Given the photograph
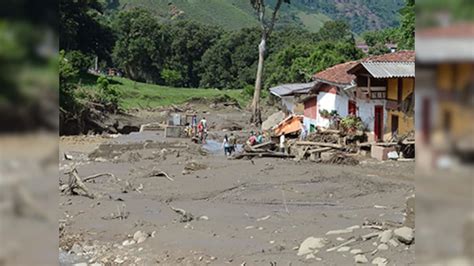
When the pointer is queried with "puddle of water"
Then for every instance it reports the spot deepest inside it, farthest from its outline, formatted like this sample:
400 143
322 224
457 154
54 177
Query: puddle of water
67 259
216 147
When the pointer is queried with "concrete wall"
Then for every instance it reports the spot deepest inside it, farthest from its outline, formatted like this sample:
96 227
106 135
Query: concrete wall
405 122
366 111
288 102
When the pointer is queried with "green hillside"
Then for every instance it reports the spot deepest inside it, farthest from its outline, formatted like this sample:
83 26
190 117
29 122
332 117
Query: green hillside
142 95
362 15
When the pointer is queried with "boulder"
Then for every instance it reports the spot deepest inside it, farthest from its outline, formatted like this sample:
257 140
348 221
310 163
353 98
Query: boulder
311 244
382 247
404 235
360 259
273 120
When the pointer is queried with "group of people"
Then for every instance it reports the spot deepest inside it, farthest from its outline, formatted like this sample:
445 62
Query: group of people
255 138
197 129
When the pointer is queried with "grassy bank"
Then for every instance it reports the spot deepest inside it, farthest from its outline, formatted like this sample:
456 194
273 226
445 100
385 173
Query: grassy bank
141 95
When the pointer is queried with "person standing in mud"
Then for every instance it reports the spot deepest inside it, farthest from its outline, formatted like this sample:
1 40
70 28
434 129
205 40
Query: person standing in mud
203 132
226 145
233 142
194 125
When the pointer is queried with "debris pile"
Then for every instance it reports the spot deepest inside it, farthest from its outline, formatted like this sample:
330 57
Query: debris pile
266 149
342 158
339 146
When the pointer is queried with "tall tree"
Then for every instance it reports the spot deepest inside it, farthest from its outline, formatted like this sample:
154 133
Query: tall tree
142 45
266 28
407 27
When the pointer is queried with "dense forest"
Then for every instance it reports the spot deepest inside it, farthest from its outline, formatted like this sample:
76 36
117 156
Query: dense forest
185 53
361 15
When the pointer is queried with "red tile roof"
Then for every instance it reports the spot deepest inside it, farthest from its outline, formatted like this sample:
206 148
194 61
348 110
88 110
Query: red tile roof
400 56
337 74
459 30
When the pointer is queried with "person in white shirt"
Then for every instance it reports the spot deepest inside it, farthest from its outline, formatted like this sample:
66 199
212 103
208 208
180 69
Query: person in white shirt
282 143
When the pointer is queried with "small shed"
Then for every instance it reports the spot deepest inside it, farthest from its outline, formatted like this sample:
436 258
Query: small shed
288 94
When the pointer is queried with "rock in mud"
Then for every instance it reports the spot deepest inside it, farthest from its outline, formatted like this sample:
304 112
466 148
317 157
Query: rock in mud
343 249
385 236
360 259
273 120
76 249
382 247
128 242
356 251
194 166
380 261
404 235
393 242
203 218
140 237
311 244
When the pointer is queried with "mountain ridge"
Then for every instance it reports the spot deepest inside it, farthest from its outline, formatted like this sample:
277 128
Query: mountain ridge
361 15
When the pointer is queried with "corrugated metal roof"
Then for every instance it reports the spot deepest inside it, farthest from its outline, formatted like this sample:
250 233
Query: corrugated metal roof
390 69
432 50
290 89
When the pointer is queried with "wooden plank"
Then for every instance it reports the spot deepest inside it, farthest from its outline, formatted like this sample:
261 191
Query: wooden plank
365 144
264 154
322 144
262 145
320 150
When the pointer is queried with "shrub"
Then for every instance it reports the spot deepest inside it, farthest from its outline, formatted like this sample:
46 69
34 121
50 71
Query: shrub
172 77
351 123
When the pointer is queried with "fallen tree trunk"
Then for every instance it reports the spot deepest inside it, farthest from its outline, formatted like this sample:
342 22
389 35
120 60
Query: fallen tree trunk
322 144
320 150
264 154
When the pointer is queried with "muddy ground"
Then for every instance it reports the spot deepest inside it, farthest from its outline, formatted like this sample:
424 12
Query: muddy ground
255 212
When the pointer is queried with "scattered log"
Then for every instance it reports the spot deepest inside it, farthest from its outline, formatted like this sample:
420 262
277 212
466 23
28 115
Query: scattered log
352 240
322 144
263 154
265 145
319 150
161 173
86 179
76 184
185 216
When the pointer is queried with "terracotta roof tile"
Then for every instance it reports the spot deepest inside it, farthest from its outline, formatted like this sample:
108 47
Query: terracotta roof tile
459 30
337 74
400 56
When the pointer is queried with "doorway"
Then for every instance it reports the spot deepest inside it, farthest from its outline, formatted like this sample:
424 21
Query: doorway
378 122
394 123
352 108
